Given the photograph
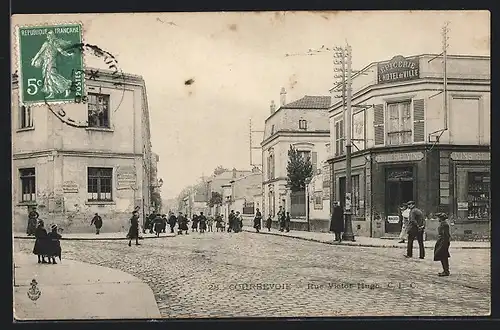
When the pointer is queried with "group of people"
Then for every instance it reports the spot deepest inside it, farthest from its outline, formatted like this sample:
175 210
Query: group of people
47 245
412 222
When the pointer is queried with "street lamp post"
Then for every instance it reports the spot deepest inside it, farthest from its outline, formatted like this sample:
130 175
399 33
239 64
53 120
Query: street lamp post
307 182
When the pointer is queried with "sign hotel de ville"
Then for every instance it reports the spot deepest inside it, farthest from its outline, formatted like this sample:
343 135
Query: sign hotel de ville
398 69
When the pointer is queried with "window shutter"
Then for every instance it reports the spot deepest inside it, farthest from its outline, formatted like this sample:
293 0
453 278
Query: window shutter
418 121
378 124
314 162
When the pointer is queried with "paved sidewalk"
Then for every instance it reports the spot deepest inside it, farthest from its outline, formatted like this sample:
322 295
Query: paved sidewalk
93 236
77 290
366 241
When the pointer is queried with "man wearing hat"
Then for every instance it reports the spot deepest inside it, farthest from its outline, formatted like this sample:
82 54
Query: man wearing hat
441 249
416 227
97 222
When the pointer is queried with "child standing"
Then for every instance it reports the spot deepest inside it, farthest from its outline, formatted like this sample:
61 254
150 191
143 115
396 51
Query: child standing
269 222
40 248
441 249
53 245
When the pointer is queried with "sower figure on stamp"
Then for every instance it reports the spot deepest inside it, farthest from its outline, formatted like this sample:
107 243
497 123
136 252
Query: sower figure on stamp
416 227
257 221
133 232
40 248
53 82
441 249
32 219
97 222
404 216
337 223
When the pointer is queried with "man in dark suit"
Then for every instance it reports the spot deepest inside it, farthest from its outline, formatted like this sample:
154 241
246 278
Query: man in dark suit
337 223
416 227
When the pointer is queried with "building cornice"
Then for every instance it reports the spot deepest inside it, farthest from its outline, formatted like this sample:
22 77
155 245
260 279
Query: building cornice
281 133
363 93
75 153
411 148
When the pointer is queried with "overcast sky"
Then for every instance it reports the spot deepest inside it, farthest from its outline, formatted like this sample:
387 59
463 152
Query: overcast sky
238 64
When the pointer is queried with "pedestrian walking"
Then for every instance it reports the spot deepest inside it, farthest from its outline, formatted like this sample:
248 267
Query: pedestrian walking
172 220
281 218
219 223
287 222
157 224
231 221
210 222
194 226
238 222
203 222
441 249
32 221
53 245
269 222
416 227
40 247
97 222
182 224
164 223
337 222
404 215
257 220
133 232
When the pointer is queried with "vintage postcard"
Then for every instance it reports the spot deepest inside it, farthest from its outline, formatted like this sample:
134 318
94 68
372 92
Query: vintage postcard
251 164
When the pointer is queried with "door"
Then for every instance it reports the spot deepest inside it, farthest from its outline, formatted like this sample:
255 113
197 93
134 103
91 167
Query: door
399 189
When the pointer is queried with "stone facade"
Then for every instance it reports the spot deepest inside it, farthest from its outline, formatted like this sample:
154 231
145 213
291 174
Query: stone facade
53 163
407 147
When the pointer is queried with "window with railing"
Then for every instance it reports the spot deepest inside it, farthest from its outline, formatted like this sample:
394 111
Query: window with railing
28 191
98 110
399 123
99 184
478 188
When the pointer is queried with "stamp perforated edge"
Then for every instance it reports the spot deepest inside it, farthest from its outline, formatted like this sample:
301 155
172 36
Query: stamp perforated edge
17 55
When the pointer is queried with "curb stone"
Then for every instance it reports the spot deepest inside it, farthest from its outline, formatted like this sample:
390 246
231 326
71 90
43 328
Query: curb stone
365 245
93 239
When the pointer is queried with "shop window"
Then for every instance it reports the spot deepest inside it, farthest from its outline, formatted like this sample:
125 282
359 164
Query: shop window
478 188
99 184
399 124
28 192
302 124
98 110
26 117
339 138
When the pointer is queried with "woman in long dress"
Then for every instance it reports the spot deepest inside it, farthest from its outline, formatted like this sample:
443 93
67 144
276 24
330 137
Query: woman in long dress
133 232
40 248
53 81
441 249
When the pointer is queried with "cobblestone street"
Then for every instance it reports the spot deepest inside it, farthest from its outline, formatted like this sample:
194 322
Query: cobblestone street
252 275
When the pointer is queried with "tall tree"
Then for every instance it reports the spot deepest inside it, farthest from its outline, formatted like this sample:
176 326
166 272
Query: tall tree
219 170
215 199
299 168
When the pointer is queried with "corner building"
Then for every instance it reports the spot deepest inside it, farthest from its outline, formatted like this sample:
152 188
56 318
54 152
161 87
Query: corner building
412 144
70 173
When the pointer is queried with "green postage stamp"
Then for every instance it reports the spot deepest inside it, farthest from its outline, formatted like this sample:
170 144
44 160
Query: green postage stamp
50 63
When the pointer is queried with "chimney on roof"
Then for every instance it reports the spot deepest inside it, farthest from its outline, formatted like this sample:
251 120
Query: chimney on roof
272 107
283 96
234 173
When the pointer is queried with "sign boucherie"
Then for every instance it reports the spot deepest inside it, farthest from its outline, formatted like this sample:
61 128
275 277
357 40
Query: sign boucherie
398 69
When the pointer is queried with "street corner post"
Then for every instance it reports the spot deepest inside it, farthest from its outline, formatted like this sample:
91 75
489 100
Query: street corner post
51 68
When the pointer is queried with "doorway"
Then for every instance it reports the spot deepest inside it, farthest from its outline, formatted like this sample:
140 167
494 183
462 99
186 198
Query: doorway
399 189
